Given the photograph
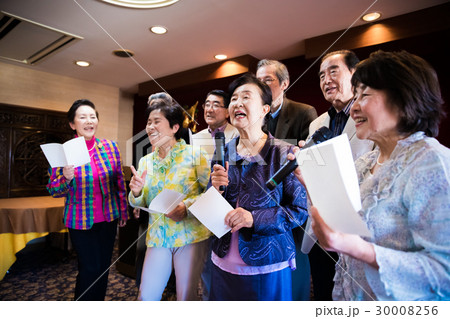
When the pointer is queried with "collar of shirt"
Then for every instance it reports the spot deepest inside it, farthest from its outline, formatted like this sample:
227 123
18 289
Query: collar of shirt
332 111
219 129
275 114
165 163
338 120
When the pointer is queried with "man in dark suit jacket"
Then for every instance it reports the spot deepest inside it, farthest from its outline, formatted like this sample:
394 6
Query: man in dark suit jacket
294 120
288 120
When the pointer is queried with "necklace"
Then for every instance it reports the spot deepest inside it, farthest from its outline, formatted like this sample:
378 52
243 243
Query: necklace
92 148
90 155
378 161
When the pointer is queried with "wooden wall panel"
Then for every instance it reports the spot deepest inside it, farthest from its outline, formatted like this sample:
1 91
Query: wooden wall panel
23 166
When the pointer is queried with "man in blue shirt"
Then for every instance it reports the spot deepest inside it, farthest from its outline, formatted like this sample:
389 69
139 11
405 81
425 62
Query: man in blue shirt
287 119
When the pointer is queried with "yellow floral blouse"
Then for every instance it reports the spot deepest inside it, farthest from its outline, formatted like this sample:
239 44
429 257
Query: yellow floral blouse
183 170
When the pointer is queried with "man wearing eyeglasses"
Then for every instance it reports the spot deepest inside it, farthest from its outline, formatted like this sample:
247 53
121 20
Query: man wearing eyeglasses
287 119
290 121
216 116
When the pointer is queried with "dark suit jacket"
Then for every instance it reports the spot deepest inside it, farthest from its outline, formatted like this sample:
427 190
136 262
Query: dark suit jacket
294 120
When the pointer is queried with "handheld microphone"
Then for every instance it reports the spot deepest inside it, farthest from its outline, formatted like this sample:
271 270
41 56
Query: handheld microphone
219 139
319 136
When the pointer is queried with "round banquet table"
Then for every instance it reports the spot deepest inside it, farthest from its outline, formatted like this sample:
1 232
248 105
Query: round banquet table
24 219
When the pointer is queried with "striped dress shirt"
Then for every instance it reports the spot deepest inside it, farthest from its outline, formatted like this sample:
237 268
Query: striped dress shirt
338 120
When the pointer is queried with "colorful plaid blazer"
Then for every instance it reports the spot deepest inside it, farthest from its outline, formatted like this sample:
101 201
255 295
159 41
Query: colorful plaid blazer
79 197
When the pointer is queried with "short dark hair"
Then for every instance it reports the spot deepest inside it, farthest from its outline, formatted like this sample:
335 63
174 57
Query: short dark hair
350 58
411 85
248 78
173 112
224 95
73 109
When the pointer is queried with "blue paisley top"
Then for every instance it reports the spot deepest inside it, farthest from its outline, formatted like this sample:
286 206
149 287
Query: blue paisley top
274 212
406 205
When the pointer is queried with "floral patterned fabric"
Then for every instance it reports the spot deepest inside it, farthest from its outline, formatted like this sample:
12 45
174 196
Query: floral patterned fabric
406 205
185 171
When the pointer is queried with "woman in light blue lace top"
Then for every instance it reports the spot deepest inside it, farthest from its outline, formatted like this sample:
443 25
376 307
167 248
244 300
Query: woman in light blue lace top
404 183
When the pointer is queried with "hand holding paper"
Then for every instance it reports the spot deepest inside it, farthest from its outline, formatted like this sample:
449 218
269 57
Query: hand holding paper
165 202
210 209
73 152
69 172
178 213
330 177
239 218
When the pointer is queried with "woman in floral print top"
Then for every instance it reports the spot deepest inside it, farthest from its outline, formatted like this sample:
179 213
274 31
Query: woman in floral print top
176 238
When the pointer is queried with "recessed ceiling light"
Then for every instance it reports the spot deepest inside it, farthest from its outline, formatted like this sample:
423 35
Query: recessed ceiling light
220 56
369 17
158 29
123 53
83 63
142 4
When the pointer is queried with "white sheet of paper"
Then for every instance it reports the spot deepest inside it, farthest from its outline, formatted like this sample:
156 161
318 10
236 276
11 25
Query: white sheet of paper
330 176
73 152
164 202
210 209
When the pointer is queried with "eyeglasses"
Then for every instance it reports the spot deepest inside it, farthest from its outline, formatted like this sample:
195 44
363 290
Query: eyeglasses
268 81
214 105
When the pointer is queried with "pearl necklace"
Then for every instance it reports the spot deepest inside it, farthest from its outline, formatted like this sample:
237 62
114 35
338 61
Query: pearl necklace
90 155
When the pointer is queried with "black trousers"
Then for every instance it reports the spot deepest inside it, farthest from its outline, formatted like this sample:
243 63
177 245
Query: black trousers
322 271
94 249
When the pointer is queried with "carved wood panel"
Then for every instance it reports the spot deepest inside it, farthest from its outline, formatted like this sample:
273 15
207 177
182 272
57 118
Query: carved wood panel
23 166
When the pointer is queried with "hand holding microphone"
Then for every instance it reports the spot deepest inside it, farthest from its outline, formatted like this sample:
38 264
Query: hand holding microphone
219 176
319 136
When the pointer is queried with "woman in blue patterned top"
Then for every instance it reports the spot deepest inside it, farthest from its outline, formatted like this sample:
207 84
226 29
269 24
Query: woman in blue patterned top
404 183
254 260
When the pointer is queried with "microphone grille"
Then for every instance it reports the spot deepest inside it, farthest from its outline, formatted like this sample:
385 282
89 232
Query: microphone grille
322 134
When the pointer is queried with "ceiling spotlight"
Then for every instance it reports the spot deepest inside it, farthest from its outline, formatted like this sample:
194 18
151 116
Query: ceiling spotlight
369 17
157 29
123 53
142 4
220 56
83 63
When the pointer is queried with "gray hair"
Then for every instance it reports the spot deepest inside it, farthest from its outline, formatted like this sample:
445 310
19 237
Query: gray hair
160 96
280 69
